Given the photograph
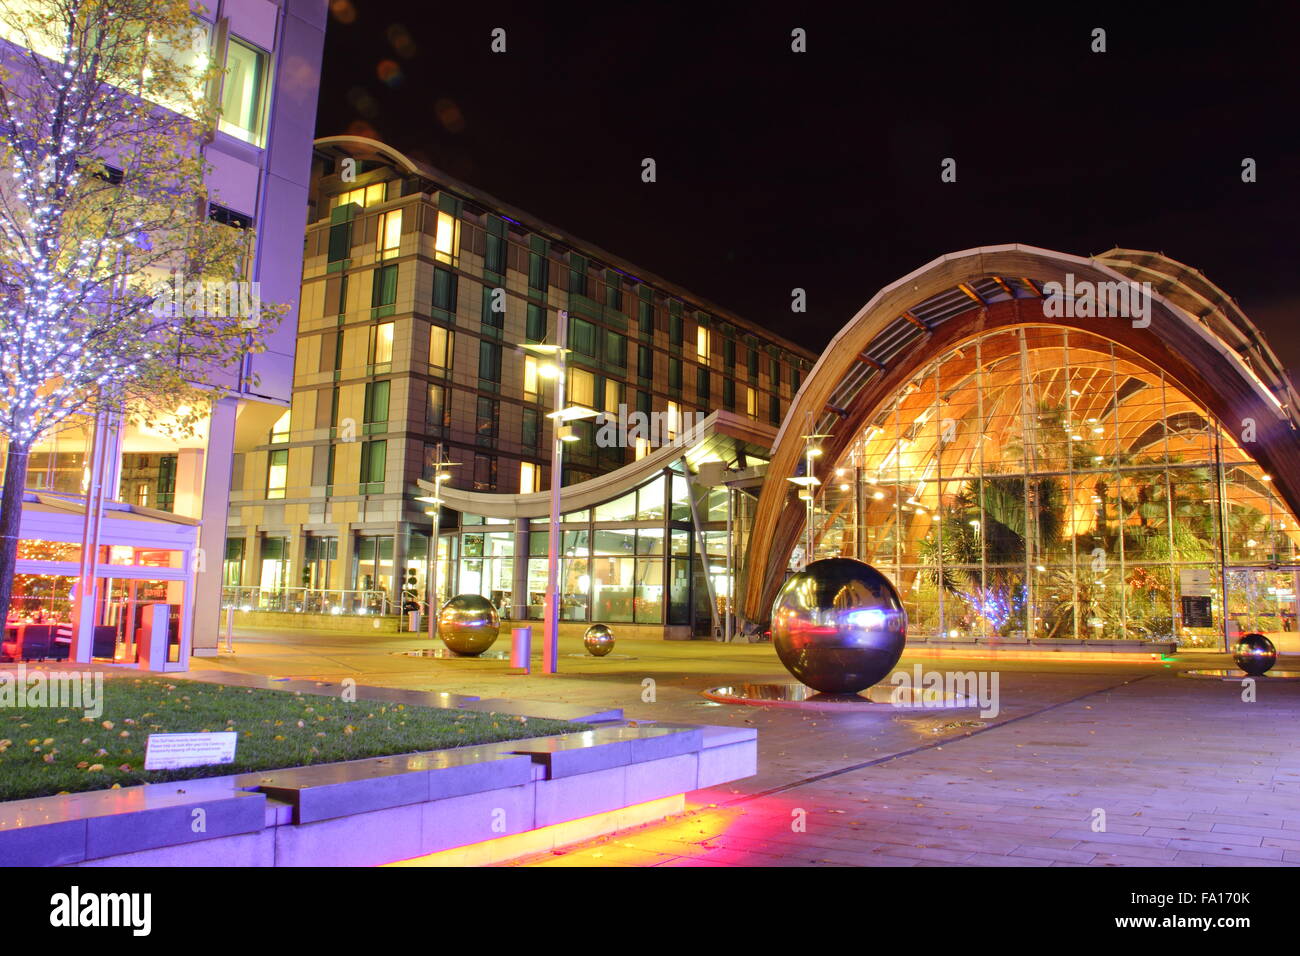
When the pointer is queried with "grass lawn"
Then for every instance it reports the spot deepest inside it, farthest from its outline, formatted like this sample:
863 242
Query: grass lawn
47 751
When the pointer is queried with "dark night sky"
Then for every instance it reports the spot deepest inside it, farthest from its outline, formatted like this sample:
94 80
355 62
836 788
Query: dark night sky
821 170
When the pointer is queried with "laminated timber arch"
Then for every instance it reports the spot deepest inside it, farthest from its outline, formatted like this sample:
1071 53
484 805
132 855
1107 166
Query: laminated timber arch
1197 336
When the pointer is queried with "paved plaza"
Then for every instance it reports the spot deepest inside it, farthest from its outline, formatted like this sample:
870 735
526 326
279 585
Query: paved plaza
1094 764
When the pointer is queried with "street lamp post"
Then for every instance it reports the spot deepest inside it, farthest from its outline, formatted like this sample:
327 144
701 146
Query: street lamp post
551 648
561 431
439 476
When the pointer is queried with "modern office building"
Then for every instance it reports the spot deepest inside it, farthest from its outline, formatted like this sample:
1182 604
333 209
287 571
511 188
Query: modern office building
417 291
166 500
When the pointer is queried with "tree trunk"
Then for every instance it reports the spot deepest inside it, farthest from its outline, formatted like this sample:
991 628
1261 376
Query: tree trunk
11 513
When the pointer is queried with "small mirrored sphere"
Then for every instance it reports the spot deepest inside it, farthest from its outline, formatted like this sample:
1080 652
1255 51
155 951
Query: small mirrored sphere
598 639
468 624
1255 654
838 625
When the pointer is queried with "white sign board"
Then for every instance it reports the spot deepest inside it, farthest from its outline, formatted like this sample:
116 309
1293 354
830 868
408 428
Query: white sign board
1196 582
172 751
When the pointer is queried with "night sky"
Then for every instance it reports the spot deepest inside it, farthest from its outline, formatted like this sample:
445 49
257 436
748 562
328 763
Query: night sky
822 170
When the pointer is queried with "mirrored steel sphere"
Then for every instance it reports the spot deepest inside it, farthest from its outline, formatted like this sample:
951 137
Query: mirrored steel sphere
838 625
468 624
598 639
1255 654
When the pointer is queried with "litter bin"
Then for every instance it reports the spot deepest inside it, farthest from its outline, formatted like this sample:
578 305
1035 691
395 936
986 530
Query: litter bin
521 650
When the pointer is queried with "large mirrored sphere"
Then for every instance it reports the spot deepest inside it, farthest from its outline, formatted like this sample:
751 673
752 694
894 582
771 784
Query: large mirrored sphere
468 624
1255 654
838 626
598 639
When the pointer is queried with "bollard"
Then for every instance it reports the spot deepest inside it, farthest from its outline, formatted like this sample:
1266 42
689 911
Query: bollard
521 650
230 630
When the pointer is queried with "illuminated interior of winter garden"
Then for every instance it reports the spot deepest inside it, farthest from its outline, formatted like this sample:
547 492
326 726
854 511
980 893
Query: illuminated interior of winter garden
1040 482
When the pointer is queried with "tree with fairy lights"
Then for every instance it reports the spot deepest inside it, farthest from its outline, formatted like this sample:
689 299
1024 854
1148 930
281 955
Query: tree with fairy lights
118 292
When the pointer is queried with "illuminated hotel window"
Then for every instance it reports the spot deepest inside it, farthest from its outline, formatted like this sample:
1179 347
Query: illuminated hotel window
390 233
381 343
613 395
751 401
445 242
243 93
674 422
362 196
440 341
642 448
529 477
530 378
582 388
702 345
277 473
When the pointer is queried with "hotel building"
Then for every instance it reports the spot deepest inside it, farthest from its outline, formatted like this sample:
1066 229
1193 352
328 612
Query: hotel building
417 292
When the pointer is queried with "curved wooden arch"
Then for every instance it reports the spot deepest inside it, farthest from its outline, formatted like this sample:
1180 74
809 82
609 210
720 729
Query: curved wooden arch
1195 360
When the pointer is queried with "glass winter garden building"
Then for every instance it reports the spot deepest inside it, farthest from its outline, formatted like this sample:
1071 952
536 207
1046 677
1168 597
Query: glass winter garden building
1043 448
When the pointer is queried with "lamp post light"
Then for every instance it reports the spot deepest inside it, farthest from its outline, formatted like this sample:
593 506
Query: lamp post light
439 476
808 483
561 431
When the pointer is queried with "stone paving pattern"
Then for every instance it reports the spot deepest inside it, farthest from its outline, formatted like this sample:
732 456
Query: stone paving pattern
1186 772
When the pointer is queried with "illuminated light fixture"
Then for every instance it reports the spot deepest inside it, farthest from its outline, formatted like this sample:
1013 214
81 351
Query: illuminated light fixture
814 451
566 433
550 838
806 481
1040 568
805 495
839 472
935 518
921 512
1074 392
844 487
541 348
1098 430
1265 477
974 523
878 495
573 413
1251 543
548 370
1076 438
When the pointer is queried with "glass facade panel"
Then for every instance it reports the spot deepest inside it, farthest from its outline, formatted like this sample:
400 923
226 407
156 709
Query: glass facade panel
1043 483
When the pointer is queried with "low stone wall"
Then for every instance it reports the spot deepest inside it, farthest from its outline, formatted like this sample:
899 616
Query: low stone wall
386 809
